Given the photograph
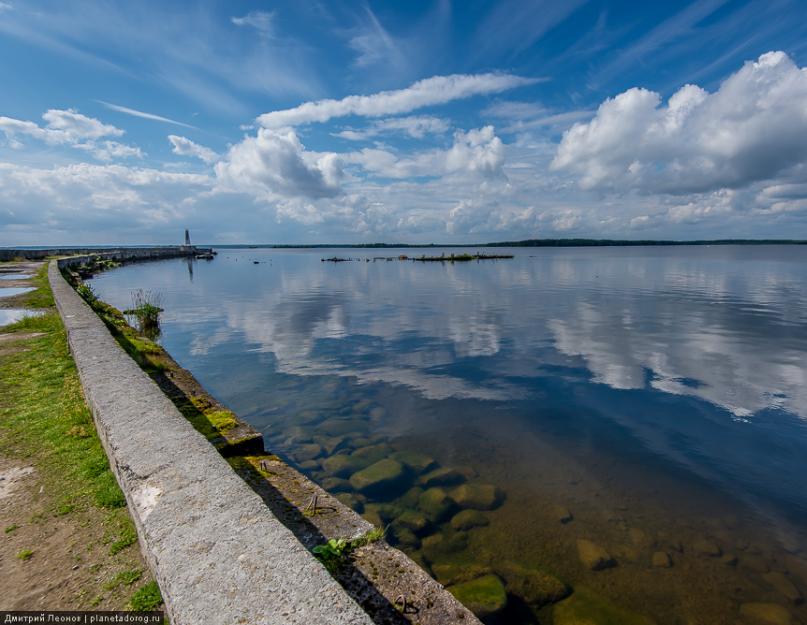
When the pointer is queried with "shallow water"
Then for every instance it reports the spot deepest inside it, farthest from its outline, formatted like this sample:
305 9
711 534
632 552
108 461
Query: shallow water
15 276
11 291
12 315
657 394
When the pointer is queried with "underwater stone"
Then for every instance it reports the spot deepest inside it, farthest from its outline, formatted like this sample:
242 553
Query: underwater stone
373 452
661 559
331 443
784 586
335 484
372 516
436 503
468 519
585 607
456 571
415 460
413 520
765 614
706 547
537 588
593 556
444 476
484 596
439 547
342 465
309 465
477 496
562 514
410 498
380 478
307 452
405 537
729 559
351 501
341 427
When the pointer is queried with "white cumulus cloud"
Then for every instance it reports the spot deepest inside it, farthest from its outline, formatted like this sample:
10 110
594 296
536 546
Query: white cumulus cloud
414 126
275 163
71 128
185 147
427 92
753 128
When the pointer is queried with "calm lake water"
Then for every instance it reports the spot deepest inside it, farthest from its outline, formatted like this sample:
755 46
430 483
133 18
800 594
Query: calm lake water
659 395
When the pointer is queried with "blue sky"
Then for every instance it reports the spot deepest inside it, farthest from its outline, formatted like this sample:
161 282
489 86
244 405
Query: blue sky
301 122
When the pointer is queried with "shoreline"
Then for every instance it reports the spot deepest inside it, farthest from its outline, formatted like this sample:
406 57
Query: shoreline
375 576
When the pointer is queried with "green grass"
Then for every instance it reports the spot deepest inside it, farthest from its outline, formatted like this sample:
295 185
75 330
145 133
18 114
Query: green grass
45 421
11 528
124 578
25 554
146 598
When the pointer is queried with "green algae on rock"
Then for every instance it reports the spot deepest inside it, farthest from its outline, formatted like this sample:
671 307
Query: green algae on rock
585 607
383 477
468 519
414 460
765 614
477 496
436 503
593 556
484 596
444 476
534 586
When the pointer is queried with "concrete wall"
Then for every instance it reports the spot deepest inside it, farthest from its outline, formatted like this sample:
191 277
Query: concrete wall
218 553
119 253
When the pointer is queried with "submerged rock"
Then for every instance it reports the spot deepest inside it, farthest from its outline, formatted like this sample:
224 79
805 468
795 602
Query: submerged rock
593 556
307 452
477 496
468 519
438 547
351 501
707 547
765 614
335 485
436 504
308 466
342 465
373 453
413 520
341 427
782 584
562 514
382 478
537 588
662 560
410 498
416 461
484 596
585 607
444 476
404 537
450 571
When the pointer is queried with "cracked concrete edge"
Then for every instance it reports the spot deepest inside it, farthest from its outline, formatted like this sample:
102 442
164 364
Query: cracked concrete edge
218 553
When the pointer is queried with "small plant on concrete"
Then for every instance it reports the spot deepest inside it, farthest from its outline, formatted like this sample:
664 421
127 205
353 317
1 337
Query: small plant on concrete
86 293
146 309
335 553
332 554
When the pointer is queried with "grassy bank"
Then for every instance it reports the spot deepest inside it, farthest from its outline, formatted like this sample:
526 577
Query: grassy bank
45 424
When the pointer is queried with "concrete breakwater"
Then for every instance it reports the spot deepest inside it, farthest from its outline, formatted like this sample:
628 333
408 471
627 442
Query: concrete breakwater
113 253
233 546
